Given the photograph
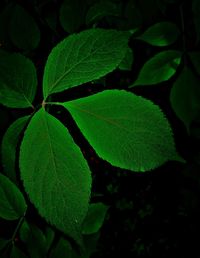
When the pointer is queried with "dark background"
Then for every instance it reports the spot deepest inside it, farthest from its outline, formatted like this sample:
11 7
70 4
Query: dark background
152 214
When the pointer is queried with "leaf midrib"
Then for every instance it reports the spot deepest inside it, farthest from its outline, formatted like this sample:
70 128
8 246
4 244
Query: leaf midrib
109 121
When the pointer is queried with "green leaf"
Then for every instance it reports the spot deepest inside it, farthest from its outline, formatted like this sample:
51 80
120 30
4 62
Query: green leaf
115 124
49 234
83 57
33 237
159 68
17 253
3 243
100 10
132 15
95 218
55 174
23 31
161 34
72 15
18 80
37 242
4 118
12 203
185 97
196 17
195 58
9 146
63 247
5 17
90 242
149 10
50 16
126 63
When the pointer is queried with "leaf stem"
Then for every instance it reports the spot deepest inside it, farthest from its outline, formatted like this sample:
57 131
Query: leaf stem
54 103
17 228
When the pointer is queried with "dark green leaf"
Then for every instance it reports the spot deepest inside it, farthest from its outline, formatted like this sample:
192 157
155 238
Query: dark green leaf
195 58
18 80
5 17
17 253
149 10
133 16
72 15
24 31
95 218
100 10
185 97
51 17
9 146
115 124
3 243
34 239
83 57
90 242
55 174
126 63
196 17
12 203
49 234
63 248
4 119
161 34
159 68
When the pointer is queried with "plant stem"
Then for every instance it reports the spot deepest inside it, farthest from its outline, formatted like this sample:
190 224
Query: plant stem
17 228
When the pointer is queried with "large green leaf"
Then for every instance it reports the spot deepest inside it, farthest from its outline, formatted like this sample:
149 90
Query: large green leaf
83 57
55 174
18 80
95 218
161 34
24 31
115 124
72 15
185 96
159 68
12 203
9 146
